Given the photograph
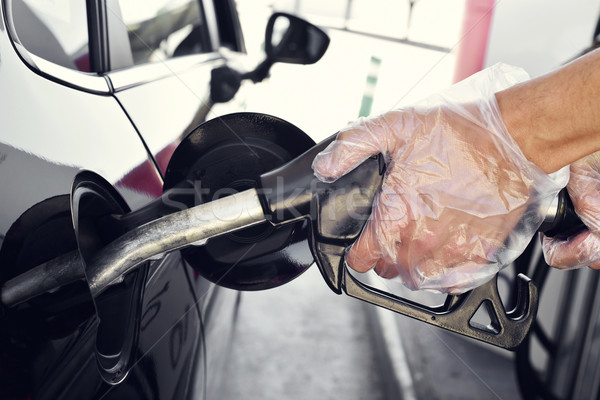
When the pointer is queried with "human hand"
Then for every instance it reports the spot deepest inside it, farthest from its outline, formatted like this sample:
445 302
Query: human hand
582 249
459 200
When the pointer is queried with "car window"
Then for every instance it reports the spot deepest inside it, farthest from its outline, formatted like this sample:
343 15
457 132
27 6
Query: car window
162 29
54 30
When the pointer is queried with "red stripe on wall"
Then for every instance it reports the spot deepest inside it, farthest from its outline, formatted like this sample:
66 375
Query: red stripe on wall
475 34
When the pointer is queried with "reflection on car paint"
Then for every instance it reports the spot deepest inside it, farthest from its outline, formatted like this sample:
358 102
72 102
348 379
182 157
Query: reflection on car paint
153 308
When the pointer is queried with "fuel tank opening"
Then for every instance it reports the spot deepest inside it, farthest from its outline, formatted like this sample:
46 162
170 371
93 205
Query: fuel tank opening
227 155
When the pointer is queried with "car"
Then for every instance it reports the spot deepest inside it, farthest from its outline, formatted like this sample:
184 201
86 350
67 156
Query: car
97 97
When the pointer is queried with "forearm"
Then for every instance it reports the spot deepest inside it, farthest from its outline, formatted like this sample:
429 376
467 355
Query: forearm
555 119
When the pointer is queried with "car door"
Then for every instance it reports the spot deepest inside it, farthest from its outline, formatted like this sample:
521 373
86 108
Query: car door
161 62
61 115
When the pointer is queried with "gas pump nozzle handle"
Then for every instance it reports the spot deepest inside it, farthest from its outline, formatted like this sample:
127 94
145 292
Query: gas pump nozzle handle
336 213
292 192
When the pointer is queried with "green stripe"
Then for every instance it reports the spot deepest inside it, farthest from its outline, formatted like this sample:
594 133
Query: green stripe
367 99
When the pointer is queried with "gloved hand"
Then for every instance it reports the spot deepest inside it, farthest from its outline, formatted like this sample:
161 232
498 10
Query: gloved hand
459 200
582 249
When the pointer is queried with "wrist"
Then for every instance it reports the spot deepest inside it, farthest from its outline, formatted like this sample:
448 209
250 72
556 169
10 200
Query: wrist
534 143
543 130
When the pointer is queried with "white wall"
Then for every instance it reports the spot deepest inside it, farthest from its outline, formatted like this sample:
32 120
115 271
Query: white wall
540 35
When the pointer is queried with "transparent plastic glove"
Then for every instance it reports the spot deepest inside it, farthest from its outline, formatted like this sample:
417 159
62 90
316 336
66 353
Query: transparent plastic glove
582 249
459 200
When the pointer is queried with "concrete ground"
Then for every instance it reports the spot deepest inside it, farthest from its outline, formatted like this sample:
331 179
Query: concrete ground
302 341
445 366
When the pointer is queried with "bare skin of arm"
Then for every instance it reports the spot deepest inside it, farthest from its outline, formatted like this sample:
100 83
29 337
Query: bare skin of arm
555 119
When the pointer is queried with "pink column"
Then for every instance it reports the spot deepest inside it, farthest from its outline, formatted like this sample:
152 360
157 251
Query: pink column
474 37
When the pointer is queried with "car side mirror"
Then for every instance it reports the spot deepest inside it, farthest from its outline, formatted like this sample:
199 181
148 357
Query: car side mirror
290 39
